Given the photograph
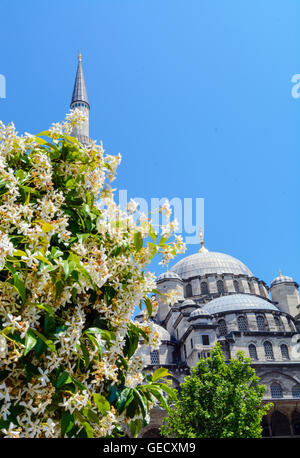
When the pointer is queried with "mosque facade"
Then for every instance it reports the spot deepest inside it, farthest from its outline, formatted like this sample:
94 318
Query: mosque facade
221 300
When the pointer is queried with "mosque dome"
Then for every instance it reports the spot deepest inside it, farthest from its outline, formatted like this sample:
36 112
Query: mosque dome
235 302
282 279
168 276
209 262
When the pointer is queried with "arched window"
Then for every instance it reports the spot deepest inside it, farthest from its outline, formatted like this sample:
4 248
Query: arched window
250 286
188 290
276 390
154 357
222 327
242 323
236 286
261 323
252 351
204 287
284 351
277 323
220 286
296 391
280 424
262 290
268 350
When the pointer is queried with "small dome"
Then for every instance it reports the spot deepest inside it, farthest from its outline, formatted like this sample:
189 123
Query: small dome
282 279
163 333
169 275
235 302
199 312
188 302
209 262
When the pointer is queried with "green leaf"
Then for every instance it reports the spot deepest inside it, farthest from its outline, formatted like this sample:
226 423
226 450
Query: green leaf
30 341
88 429
135 427
67 422
152 234
138 240
20 287
63 379
149 306
102 403
49 343
159 373
85 354
45 307
163 240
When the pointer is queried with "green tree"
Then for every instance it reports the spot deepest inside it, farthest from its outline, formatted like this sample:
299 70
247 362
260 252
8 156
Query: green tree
218 400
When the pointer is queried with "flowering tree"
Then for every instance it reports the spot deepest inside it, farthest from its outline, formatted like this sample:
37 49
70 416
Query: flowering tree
72 270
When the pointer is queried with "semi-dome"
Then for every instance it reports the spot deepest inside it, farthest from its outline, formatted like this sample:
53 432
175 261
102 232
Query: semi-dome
282 279
234 302
169 275
209 262
188 302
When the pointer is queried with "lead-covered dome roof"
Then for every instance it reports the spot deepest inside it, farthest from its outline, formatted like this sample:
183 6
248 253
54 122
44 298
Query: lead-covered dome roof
282 279
169 275
210 262
235 302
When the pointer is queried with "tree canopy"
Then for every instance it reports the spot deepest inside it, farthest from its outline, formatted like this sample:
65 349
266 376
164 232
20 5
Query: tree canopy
219 399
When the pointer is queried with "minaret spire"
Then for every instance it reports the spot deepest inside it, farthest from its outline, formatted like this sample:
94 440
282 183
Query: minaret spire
80 100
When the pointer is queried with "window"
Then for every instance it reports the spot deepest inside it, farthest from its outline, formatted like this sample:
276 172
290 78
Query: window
220 286
261 323
184 349
204 288
268 350
262 290
250 286
277 323
276 390
296 391
205 340
154 357
252 351
242 323
222 327
284 351
188 290
236 286
192 345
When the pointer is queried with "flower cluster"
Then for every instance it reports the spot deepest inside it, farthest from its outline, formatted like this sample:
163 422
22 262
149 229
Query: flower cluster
72 271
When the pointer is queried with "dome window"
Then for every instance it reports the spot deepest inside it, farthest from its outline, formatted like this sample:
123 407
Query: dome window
296 391
252 351
284 351
188 290
250 286
222 327
276 390
269 350
154 357
220 286
242 323
261 323
204 287
277 323
236 286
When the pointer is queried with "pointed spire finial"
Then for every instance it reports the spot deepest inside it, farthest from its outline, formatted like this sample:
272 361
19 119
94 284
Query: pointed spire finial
280 273
202 249
79 56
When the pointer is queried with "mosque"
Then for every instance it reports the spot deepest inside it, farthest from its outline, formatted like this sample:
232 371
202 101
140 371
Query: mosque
221 300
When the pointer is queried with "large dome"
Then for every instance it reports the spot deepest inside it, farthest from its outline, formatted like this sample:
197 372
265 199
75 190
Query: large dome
210 262
235 302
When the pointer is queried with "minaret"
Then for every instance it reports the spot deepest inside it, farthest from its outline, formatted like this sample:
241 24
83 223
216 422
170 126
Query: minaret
80 101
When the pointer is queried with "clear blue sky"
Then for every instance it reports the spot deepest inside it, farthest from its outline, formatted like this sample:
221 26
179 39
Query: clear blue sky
195 94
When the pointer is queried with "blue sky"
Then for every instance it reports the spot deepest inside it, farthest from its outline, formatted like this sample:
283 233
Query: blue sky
195 95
